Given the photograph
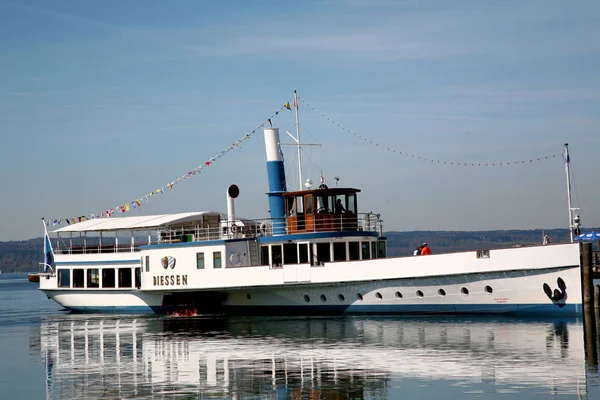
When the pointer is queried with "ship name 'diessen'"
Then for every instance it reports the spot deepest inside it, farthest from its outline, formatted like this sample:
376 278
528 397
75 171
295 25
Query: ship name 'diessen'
170 280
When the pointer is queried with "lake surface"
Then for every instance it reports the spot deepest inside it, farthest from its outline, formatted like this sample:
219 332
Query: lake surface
49 353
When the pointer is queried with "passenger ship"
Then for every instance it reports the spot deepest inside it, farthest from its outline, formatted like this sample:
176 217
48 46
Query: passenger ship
310 256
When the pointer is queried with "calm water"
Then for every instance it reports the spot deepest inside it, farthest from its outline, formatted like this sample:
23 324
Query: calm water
48 353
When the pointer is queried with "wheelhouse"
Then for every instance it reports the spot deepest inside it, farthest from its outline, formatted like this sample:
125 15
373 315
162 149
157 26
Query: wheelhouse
323 210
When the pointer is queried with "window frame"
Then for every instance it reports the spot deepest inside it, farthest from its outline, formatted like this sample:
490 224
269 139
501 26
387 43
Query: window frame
78 282
60 278
217 256
200 257
90 278
105 278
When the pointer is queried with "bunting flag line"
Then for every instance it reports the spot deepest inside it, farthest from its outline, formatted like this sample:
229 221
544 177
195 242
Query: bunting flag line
130 205
461 164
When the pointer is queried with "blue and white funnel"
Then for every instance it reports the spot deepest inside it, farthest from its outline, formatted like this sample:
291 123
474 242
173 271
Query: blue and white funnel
276 176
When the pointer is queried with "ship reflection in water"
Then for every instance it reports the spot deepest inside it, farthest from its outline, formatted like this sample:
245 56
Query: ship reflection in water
306 358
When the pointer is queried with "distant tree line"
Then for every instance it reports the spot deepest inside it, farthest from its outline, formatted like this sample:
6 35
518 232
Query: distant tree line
404 243
25 256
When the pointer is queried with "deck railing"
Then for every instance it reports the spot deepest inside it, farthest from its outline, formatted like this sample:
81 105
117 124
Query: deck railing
241 229
367 222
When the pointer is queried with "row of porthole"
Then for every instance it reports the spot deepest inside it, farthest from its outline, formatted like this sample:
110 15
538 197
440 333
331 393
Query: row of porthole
488 289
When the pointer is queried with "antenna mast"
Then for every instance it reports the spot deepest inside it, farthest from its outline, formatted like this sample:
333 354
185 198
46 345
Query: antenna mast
574 221
298 140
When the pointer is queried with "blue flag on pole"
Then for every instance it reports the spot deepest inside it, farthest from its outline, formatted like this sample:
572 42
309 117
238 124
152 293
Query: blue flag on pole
48 252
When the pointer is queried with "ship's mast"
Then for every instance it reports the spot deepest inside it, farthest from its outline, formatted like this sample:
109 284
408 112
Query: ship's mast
298 140
568 172
299 144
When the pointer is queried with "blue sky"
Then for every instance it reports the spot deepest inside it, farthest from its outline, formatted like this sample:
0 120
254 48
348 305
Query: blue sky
103 102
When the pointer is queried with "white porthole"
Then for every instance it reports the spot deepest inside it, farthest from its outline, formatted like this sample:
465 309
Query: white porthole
378 295
442 292
464 291
420 293
489 290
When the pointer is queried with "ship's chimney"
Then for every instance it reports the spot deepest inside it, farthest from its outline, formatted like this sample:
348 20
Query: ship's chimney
276 176
233 191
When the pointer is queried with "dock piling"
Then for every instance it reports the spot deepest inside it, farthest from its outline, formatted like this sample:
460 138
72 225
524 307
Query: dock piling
587 279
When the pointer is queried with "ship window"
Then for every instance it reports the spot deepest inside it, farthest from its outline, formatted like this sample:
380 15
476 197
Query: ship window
483 254
366 254
290 253
324 204
291 206
351 204
276 255
93 278
344 206
381 253
64 278
300 205
78 275
199 260
217 259
323 254
341 297
339 251
147 263
309 205
354 250
374 249
264 255
464 291
138 277
420 293
489 290
108 278
303 252
125 277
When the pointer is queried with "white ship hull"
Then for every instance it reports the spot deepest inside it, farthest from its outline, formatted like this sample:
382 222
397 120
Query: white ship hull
514 292
102 301
509 281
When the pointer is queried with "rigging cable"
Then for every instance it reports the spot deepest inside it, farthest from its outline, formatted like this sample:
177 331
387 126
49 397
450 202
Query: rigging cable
417 157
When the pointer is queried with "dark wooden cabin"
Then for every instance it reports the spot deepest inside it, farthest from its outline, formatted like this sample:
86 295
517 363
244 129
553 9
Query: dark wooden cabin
321 210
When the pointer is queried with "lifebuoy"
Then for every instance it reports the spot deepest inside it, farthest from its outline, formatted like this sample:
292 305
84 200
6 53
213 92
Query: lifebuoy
265 228
235 259
234 228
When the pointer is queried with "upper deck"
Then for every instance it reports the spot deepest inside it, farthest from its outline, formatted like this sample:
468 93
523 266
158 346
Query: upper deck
310 211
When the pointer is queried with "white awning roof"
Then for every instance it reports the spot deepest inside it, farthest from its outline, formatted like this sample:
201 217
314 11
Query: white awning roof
133 223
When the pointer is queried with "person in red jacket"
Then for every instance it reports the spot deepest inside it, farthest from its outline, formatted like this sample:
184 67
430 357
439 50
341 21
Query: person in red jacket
425 250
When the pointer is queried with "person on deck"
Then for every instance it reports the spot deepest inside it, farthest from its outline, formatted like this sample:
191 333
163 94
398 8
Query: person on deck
339 207
425 250
417 251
